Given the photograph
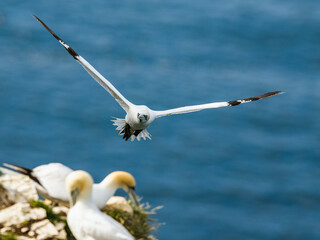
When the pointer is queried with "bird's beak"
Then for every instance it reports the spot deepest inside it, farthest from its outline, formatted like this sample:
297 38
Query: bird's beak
74 196
133 196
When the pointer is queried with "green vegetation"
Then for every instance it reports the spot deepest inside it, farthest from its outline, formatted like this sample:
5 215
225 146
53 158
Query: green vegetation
8 236
139 224
53 217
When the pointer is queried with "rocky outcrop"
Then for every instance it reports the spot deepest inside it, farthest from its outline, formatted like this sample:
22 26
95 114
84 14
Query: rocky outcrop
20 213
16 188
28 222
24 217
119 203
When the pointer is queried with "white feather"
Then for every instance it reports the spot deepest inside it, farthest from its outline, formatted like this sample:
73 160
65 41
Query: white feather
120 123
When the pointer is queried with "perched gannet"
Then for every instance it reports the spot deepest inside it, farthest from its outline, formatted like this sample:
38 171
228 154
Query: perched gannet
85 220
139 117
50 183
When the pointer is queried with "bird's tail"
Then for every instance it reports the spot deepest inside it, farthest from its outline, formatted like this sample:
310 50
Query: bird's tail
143 134
124 129
120 123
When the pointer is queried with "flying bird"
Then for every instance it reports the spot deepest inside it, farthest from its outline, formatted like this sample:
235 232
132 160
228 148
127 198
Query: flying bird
85 220
50 180
139 117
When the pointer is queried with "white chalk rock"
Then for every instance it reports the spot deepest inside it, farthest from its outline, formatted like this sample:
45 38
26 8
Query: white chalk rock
60 210
120 203
24 229
5 230
24 238
17 188
20 213
62 233
44 230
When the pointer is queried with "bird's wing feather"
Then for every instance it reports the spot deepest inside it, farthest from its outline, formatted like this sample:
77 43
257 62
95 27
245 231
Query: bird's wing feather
124 103
25 171
52 176
195 108
49 179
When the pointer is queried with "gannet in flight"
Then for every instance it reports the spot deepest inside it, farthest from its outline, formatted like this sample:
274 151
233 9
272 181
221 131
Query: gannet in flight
85 220
139 117
50 183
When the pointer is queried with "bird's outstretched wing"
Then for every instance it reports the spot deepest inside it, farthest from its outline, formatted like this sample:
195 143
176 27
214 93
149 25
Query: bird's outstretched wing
124 103
195 108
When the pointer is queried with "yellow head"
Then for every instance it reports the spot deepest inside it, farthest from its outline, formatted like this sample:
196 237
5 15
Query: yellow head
79 186
124 180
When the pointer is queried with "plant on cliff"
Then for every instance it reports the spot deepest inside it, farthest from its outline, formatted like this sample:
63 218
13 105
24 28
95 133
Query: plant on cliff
53 217
138 223
8 236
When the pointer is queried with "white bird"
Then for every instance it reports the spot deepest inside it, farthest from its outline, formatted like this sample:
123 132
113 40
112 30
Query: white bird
139 117
50 183
85 220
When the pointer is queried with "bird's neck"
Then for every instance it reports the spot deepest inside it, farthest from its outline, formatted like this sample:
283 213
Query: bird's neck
86 201
110 184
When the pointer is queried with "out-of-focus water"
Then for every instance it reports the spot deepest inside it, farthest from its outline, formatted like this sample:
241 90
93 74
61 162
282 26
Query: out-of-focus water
248 172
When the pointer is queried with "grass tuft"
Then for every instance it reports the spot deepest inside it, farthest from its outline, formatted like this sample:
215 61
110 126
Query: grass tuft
8 236
53 217
139 224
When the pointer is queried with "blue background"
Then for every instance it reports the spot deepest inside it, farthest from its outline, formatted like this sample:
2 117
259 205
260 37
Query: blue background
247 172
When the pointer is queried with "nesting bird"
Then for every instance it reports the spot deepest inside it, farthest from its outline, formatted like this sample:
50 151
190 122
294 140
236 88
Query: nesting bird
85 220
139 117
50 180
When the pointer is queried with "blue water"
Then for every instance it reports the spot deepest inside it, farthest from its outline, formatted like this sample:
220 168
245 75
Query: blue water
247 172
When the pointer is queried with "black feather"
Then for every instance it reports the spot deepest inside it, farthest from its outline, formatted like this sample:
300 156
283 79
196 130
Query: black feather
255 98
25 171
69 49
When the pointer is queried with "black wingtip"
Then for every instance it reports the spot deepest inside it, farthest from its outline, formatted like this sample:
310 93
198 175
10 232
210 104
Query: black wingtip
66 46
34 16
234 103
25 171
39 20
269 94
19 169
255 98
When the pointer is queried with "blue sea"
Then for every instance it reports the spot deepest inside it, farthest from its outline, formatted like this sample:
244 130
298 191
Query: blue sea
250 172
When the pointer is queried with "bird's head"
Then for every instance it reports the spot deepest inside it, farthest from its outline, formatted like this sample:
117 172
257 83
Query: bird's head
79 185
124 180
143 116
